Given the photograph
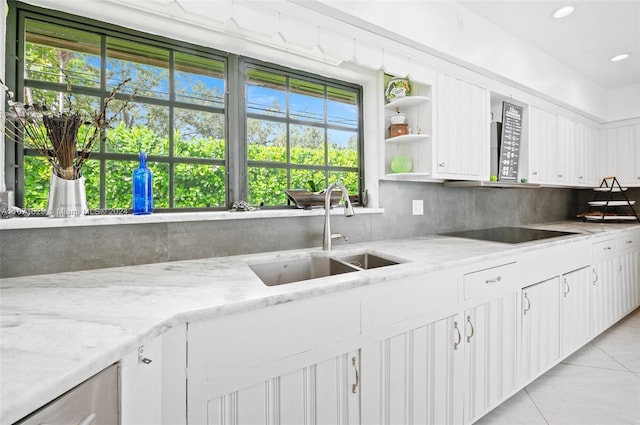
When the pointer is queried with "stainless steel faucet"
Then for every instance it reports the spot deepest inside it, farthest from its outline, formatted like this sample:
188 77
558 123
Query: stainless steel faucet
327 236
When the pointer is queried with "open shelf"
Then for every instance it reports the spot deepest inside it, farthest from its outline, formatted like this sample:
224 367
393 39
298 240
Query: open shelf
408 138
406 102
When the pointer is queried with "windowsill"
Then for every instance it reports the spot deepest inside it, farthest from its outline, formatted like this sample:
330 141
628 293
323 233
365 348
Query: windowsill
106 220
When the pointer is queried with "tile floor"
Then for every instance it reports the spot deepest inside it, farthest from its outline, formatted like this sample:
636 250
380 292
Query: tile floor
598 385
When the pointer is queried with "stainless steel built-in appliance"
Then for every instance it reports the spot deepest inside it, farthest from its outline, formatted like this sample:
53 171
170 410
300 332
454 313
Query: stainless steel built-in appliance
511 235
94 402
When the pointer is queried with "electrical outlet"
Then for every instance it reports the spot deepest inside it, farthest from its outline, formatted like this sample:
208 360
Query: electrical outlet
418 207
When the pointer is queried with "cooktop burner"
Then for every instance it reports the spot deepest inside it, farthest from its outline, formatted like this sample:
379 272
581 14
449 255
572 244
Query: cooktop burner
508 234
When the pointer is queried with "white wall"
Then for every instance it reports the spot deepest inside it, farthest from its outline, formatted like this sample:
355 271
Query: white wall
623 103
455 32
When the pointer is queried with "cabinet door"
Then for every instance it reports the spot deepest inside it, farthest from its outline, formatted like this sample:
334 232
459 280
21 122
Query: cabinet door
621 154
412 377
576 310
603 295
637 157
565 151
628 282
542 146
265 353
540 318
490 354
325 393
463 149
589 166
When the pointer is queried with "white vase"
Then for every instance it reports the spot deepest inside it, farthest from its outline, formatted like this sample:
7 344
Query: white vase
67 198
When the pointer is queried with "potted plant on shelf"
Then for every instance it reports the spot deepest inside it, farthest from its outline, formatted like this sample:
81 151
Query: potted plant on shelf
58 134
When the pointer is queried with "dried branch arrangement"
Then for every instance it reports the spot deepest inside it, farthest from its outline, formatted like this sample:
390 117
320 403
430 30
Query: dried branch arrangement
56 134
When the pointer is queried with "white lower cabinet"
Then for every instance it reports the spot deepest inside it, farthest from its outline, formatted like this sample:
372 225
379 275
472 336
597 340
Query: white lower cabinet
490 350
615 280
414 377
323 393
629 279
576 309
283 364
540 328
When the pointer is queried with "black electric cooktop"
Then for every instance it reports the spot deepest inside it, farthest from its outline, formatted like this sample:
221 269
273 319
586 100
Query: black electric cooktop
508 234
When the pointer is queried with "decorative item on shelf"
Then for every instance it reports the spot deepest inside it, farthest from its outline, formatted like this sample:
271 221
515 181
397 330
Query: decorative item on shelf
402 162
142 187
398 130
65 135
396 88
398 117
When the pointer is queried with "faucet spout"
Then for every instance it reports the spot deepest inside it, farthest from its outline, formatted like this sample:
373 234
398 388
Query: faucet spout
327 236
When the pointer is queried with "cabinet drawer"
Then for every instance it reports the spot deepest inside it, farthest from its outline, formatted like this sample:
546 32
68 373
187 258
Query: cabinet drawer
488 280
603 249
628 242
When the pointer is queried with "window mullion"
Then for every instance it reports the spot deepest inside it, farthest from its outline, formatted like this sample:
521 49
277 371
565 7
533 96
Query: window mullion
172 99
236 130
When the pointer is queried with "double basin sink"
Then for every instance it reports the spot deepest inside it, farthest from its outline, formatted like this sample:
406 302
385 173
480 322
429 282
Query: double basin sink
279 272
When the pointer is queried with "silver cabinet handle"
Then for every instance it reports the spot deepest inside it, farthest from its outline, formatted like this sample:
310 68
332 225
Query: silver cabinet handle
629 242
354 387
457 343
595 276
526 297
560 175
441 164
607 248
568 287
472 330
534 173
494 280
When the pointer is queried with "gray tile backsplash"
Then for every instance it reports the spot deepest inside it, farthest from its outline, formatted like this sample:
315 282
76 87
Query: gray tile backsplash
445 209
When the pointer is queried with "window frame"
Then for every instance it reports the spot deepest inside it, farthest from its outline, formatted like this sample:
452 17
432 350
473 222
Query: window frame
235 132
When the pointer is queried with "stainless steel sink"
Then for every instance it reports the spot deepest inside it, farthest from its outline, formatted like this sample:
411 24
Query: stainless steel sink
367 260
298 269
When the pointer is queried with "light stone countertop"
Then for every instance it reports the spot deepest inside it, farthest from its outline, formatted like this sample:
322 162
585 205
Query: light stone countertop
58 330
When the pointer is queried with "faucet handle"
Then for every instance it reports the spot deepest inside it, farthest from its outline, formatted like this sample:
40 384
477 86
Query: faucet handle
339 236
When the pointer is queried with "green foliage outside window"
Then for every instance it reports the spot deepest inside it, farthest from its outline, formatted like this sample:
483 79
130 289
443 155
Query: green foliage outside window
195 185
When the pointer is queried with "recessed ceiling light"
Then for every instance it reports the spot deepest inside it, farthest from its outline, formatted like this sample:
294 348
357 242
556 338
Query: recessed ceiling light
619 58
563 12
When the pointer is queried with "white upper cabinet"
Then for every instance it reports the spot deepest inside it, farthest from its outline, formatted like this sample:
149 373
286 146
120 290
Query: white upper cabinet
462 150
542 146
561 151
623 154
588 168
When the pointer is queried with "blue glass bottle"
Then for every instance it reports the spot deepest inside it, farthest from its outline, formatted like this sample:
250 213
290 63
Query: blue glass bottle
142 188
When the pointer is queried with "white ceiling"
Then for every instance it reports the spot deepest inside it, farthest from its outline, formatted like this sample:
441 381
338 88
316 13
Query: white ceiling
583 41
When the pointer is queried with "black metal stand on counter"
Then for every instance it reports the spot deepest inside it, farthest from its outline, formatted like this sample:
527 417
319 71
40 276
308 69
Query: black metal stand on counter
607 201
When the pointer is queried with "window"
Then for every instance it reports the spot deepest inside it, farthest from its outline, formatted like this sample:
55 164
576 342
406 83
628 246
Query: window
301 133
290 130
